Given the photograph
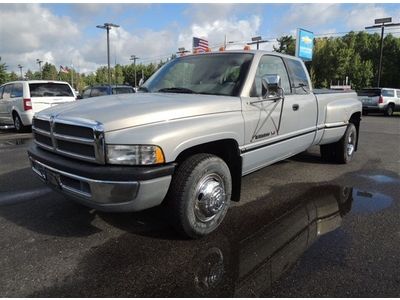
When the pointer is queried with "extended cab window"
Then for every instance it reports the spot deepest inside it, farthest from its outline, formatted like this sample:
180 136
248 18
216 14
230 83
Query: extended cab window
213 74
270 65
298 76
388 93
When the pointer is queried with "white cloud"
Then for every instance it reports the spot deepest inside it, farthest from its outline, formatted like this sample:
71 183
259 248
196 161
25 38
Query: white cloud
363 15
215 31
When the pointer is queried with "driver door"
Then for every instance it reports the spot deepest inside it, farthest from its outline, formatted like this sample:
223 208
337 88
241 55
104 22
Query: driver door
263 117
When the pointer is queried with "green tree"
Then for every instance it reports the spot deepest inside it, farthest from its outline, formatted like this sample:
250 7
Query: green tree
3 72
287 45
49 72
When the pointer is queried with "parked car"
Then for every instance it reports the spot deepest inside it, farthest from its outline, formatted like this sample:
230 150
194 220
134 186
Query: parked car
20 100
199 124
103 90
386 100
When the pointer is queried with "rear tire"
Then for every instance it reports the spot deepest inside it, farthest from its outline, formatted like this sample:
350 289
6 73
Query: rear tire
199 195
343 150
389 110
18 125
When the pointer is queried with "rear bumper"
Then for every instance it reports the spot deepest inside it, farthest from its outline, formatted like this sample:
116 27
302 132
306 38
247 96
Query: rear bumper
132 189
376 108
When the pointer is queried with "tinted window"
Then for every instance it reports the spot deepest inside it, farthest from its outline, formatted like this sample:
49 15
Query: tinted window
270 65
17 90
388 93
369 92
397 91
214 74
99 91
49 89
86 93
2 88
298 76
7 91
122 90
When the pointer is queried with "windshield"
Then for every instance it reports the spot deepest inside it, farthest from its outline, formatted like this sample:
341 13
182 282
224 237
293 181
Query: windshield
214 74
369 92
49 89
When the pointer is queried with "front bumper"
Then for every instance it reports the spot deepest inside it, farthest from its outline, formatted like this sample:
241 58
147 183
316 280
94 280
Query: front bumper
106 188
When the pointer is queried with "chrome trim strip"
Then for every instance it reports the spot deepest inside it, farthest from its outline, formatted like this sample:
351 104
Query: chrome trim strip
43 145
74 155
41 131
70 138
337 124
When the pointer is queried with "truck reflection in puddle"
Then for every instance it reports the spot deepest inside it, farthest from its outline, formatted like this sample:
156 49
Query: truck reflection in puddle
265 255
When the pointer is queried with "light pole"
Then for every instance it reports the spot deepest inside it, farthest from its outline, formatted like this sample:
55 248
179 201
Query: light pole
108 26
257 40
382 24
39 62
134 58
20 69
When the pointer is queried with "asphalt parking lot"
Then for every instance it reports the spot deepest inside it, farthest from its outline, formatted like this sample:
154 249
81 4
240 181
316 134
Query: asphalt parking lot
303 228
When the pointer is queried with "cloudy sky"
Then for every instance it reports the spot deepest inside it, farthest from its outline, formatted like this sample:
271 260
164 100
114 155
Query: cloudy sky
65 34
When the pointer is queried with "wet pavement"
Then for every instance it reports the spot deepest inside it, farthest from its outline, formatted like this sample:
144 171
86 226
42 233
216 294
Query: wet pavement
303 228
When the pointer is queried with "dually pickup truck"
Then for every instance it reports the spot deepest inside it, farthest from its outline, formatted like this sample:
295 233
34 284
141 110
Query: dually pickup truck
185 140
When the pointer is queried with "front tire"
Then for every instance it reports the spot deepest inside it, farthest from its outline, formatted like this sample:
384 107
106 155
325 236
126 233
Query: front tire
199 195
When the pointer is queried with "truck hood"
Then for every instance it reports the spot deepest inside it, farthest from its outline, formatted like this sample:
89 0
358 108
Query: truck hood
129 110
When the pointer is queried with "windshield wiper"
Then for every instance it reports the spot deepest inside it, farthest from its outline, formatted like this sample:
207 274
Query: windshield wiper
176 90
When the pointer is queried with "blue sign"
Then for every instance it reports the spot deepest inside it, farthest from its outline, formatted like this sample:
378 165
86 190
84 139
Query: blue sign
304 44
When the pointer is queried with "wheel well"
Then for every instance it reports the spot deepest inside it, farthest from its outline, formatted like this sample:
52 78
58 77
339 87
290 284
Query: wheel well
14 113
356 119
227 150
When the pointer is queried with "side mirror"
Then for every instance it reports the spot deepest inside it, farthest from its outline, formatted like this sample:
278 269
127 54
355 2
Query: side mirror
79 97
271 87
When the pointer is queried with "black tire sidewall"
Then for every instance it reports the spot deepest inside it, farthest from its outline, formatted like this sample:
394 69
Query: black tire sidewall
350 128
18 119
191 224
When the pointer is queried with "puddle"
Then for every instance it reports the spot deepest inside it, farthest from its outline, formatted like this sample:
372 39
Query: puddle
381 178
14 142
364 201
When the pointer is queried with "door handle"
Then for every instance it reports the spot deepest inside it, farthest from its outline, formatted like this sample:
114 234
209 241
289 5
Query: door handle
295 107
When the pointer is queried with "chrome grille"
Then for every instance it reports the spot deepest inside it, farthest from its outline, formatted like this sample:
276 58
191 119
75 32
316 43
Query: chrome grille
80 139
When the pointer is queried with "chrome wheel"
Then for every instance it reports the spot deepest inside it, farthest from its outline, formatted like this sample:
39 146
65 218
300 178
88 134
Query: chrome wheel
351 144
210 197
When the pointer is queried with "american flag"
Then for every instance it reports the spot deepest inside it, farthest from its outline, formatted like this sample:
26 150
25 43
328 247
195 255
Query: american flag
64 69
200 45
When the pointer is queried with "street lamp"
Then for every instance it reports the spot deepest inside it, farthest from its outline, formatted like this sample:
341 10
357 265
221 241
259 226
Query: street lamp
134 58
257 40
20 69
39 62
382 23
108 26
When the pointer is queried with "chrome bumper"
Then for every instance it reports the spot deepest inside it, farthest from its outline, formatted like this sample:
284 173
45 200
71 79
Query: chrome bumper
104 195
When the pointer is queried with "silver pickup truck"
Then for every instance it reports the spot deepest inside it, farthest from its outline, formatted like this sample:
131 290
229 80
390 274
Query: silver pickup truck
198 125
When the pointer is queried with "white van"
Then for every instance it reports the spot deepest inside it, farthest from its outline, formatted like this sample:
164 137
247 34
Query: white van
20 100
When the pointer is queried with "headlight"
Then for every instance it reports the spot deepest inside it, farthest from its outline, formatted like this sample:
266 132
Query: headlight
134 155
